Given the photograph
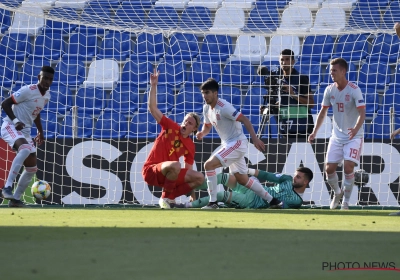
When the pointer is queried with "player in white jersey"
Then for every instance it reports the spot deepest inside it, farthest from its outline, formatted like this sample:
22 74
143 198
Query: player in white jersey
23 109
346 142
227 121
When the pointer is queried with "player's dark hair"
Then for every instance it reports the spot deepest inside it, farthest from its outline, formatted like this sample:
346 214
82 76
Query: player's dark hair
307 172
48 69
210 84
341 62
288 52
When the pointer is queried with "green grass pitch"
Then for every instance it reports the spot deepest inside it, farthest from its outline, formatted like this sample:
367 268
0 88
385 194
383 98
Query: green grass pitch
67 243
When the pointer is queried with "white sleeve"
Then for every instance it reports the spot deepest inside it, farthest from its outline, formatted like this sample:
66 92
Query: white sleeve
230 112
21 95
326 100
358 98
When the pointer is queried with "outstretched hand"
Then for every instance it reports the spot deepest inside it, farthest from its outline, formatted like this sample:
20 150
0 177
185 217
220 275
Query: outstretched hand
154 77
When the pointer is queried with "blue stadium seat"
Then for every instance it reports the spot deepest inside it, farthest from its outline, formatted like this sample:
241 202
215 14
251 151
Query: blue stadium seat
216 48
5 20
31 69
130 14
90 100
165 99
95 15
81 47
239 72
49 124
385 49
318 97
84 127
117 45
111 4
317 49
172 72
380 127
53 26
391 15
177 117
8 72
255 121
60 101
390 99
149 47
313 71
378 4
374 76
163 17
371 98
253 100
124 100
231 94
202 70
49 45
196 18
262 19
70 72
136 73
143 125
396 75
16 46
351 75
364 17
352 47
182 47
189 99
279 4
110 126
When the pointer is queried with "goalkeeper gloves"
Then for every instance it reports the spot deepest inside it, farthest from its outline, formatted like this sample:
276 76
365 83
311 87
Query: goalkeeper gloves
275 204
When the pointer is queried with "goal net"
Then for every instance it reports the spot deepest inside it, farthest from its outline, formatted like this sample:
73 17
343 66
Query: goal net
97 126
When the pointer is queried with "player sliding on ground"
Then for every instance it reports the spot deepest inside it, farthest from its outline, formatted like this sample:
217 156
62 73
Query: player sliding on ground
227 121
162 167
287 189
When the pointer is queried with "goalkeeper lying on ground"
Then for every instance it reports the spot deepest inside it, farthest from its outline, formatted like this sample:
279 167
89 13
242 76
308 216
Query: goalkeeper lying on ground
287 189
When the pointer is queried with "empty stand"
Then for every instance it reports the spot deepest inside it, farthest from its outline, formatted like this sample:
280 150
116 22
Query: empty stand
5 20
317 49
196 18
79 126
352 47
90 100
243 4
238 72
71 73
280 42
149 47
136 73
75 4
295 17
324 23
130 14
15 46
163 17
103 73
228 20
110 126
189 99
116 45
60 100
182 46
343 4
172 72
125 99
27 19
81 47
385 49
8 72
177 4
250 47
143 126
49 45
211 4
262 19
165 100
216 48
202 70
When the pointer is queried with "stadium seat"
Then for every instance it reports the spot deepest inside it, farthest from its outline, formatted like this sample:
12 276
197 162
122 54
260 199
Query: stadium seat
318 97
189 99
90 100
83 129
124 99
96 16
365 18
112 4
380 127
378 4
49 45
103 73
136 73
176 4
310 4
216 48
149 47
131 14
250 47
15 46
262 20
163 17
374 76
342 4
143 126
49 124
351 75
391 16
313 71
295 17
165 100
116 45
75 4
371 98
172 73
182 46
211 4
396 75
324 23
243 4
255 121
81 47
8 72
231 94
253 100
54 26
110 126
277 4
238 72
280 42
31 69
228 20
196 18
391 99
317 49
270 129
27 19
70 73
60 100
385 49
5 20
202 70
352 47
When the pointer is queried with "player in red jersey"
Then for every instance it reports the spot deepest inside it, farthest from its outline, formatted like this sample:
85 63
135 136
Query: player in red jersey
162 167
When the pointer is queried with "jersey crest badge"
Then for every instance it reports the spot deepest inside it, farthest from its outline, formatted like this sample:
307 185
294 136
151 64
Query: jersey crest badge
177 143
218 116
347 97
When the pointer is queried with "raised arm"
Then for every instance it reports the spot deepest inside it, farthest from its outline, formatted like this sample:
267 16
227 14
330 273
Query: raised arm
155 112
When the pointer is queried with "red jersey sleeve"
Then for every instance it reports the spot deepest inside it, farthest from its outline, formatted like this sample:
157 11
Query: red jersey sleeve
167 123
